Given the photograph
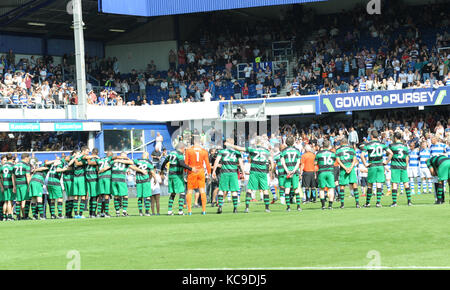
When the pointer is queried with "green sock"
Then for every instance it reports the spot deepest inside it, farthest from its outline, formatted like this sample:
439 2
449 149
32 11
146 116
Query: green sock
171 198
439 191
342 195
76 207
147 203
408 193
82 207
266 200
40 209
140 204
99 205
356 195
94 207
235 201
181 202
369 194
106 203
17 207
125 203
60 208
248 197
281 191
52 208
116 204
27 208
220 197
394 195
69 207
34 209
379 193
287 199
297 198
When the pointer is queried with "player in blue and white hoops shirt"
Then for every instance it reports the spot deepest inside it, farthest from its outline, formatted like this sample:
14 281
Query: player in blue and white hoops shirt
413 168
425 175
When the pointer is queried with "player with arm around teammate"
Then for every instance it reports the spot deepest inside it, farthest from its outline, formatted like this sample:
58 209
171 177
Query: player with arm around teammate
22 173
261 162
398 155
346 158
290 159
229 180
175 159
325 160
8 181
144 168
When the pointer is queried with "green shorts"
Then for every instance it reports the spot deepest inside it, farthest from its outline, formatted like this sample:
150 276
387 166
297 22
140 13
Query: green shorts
22 193
104 185
346 179
292 182
444 171
326 179
143 190
399 176
8 194
229 182
79 186
281 180
92 188
176 184
258 181
54 192
68 187
376 174
119 188
36 189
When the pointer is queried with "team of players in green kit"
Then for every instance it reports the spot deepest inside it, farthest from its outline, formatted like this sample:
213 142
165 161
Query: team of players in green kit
88 177
85 178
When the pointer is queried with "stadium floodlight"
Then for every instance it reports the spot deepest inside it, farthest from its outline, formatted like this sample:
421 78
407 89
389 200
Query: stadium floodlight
116 30
36 24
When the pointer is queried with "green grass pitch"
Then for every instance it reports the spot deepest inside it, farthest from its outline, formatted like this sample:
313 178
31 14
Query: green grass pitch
403 237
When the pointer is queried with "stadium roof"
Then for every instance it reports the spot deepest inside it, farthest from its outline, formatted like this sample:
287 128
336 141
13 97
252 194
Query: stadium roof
52 19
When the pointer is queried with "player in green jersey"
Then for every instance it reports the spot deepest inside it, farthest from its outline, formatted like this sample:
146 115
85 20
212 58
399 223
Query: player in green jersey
54 188
36 191
104 182
398 155
8 181
68 177
375 174
325 159
175 159
279 172
346 157
92 182
290 160
229 180
79 182
261 162
144 168
439 166
22 173
119 183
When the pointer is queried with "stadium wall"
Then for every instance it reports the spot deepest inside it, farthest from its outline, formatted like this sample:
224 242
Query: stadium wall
138 55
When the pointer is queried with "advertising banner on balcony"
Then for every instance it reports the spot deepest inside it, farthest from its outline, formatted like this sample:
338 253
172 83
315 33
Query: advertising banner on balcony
384 99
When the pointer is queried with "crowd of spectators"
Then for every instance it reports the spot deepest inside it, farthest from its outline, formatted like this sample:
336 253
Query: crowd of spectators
34 82
46 141
404 47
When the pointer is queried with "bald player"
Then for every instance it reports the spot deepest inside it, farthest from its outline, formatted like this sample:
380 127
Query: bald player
197 157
